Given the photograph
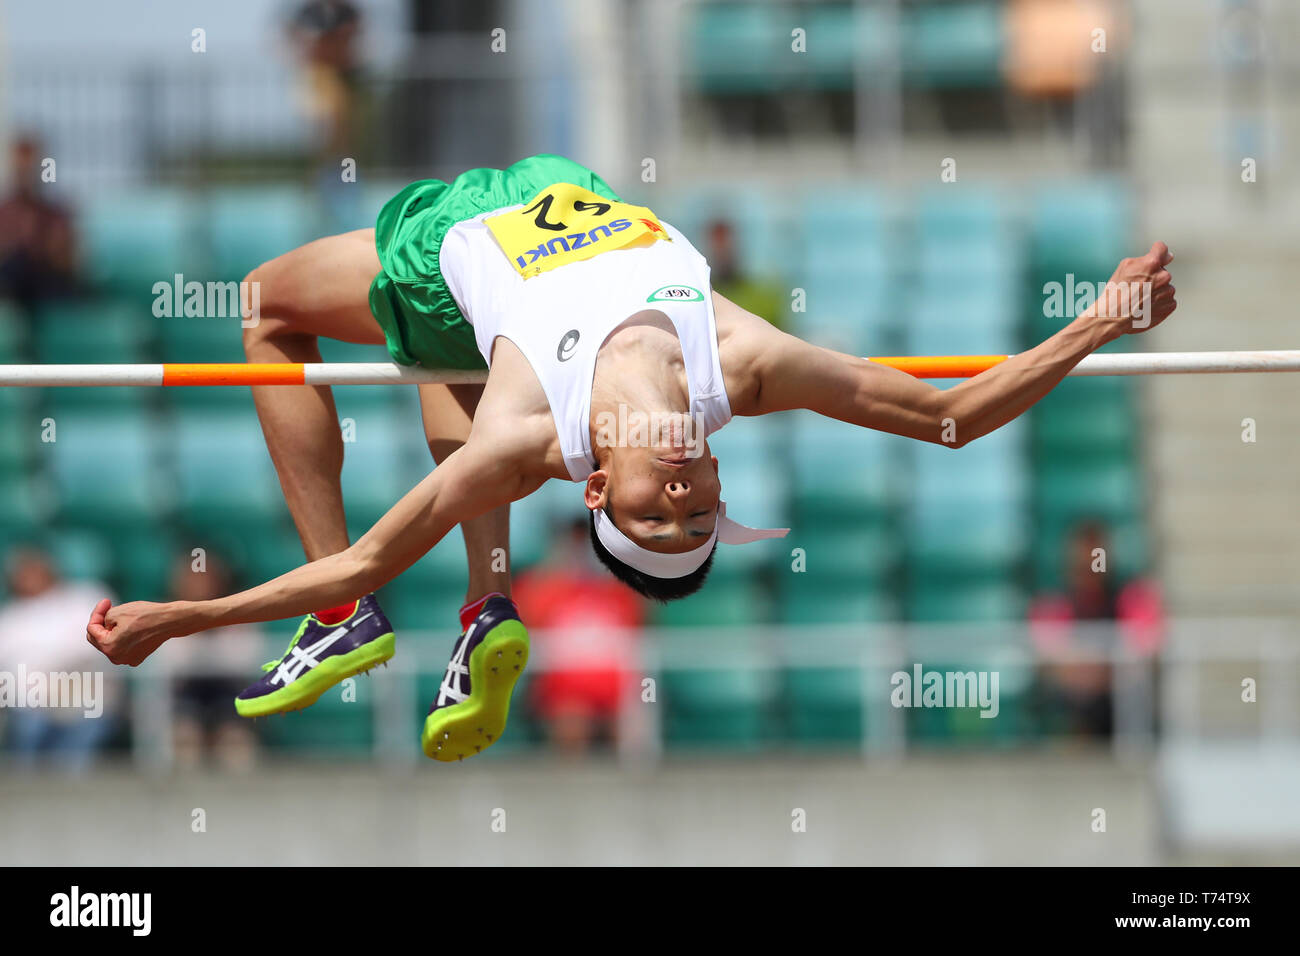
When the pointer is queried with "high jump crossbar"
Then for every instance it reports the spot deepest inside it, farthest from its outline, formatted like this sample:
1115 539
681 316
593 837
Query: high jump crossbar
386 373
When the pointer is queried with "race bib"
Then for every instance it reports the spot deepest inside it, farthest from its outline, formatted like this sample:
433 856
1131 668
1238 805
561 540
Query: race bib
565 223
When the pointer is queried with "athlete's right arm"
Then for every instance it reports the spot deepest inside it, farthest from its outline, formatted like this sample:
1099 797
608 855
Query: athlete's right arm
470 482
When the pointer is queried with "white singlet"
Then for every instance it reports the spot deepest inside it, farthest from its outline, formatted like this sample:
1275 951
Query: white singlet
559 319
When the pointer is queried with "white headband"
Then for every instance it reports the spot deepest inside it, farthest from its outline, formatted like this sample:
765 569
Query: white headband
677 565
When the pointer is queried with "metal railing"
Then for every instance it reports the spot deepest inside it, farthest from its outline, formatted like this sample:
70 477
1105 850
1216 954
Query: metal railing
1161 695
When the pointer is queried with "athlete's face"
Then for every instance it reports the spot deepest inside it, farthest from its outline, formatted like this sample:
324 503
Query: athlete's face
662 499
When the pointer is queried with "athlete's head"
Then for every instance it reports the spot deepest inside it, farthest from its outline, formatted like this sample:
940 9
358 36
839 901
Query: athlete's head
658 499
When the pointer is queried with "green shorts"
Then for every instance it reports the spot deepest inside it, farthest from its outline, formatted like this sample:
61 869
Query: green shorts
409 298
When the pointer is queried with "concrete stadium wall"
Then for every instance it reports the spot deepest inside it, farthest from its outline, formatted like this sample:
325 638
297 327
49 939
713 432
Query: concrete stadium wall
924 810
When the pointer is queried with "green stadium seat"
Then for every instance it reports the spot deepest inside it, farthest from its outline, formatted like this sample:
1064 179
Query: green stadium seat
105 466
93 331
20 427
733 46
24 505
718 604
81 554
13 335
843 470
377 469
824 704
727 707
1081 228
137 237
331 726
805 601
249 226
143 557
1067 428
207 339
848 269
948 323
952 45
938 598
225 476
843 37
1109 488
970 506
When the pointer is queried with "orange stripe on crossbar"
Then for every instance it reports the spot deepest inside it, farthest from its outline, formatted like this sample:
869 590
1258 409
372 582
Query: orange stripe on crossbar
941 366
235 373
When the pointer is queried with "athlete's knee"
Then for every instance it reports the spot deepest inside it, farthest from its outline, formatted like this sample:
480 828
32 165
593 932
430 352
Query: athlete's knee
266 312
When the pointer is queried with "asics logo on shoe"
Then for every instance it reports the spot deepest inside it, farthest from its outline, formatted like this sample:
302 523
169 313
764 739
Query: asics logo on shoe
300 659
457 667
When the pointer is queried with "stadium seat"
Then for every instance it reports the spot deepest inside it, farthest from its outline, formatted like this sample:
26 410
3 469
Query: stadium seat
92 331
844 38
20 427
1082 228
720 603
824 704
842 468
13 335
805 601
950 45
128 233
332 725
380 455
81 554
106 467
729 706
734 44
248 226
226 480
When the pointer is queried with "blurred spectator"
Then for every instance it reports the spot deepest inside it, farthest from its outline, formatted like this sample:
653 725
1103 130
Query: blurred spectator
1054 56
325 35
1081 691
38 244
43 641
584 626
1050 45
211 668
763 298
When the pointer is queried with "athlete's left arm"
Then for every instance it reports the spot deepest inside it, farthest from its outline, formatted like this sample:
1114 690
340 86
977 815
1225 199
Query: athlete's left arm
479 476
787 372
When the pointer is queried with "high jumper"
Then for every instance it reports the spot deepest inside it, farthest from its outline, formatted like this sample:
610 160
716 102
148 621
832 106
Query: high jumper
609 363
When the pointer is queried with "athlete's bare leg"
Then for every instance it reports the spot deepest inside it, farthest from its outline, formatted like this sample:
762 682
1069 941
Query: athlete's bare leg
448 412
321 288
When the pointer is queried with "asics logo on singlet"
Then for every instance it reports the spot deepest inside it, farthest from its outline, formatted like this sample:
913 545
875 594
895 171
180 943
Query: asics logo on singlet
564 351
575 240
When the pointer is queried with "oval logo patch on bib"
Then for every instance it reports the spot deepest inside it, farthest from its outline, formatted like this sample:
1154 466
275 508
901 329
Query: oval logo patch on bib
676 293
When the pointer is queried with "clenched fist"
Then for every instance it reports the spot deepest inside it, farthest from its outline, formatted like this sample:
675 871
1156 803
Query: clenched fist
1140 294
129 633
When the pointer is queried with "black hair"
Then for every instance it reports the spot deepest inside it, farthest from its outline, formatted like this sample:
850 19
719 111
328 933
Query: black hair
662 590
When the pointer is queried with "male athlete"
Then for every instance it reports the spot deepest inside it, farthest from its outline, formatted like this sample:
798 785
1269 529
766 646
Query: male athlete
589 313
